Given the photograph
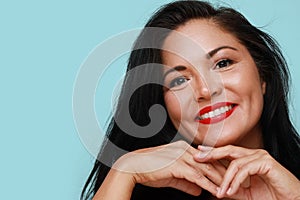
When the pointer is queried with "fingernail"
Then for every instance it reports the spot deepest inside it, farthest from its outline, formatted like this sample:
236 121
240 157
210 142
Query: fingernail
201 155
204 148
218 190
229 191
222 191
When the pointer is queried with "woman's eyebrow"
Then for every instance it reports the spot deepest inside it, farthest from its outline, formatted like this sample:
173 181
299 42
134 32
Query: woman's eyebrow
213 52
177 68
209 55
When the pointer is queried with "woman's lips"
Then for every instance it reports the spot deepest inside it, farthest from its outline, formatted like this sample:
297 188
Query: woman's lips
215 113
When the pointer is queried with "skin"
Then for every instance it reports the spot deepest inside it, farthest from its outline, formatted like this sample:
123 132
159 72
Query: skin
249 171
207 80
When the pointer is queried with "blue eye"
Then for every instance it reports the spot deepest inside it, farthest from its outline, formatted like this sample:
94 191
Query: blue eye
178 81
223 63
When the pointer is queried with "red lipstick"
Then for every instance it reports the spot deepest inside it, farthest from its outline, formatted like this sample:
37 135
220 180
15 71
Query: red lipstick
215 113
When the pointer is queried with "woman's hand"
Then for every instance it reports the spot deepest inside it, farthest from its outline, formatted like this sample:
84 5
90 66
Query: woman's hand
268 179
172 165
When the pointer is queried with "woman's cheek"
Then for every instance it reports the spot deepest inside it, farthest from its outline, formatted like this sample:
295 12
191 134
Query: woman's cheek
173 107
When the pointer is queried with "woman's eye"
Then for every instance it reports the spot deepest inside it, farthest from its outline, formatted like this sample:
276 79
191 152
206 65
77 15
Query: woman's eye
178 81
223 63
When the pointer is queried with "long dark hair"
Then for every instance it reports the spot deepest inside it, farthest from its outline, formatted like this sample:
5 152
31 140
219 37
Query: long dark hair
279 135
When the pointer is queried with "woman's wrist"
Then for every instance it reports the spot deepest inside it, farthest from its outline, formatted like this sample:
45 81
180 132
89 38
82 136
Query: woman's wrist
116 184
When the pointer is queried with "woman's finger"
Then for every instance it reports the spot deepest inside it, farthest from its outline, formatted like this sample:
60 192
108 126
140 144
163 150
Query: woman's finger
247 171
186 186
220 167
227 152
194 175
205 183
214 171
239 171
173 162
209 170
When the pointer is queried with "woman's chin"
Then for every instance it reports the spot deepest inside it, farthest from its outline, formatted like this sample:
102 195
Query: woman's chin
219 142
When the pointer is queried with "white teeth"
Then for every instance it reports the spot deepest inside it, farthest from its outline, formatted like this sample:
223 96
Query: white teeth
216 112
223 109
205 115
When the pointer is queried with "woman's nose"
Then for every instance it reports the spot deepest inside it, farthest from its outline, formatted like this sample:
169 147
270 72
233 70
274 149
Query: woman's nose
207 87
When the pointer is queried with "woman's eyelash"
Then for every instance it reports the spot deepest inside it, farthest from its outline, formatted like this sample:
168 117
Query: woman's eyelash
223 63
178 81
182 79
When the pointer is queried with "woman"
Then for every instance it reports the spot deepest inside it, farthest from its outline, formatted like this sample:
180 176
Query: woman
225 90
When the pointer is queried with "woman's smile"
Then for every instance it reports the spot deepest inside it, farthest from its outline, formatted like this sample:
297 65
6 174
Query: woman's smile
215 113
214 93
227 133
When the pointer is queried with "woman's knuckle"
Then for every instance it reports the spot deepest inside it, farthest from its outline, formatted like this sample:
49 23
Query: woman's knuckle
269 162
199 174
264 154
263 151
182 143
235 164
208 167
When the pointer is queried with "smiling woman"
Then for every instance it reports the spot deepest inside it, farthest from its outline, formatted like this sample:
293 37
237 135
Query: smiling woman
228 134
224 87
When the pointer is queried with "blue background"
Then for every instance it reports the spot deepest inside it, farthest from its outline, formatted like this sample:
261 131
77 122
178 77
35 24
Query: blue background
42 45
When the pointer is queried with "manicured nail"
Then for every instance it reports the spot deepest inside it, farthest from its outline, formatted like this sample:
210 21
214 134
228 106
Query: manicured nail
201 155
222 191
218 190
229 191
204 148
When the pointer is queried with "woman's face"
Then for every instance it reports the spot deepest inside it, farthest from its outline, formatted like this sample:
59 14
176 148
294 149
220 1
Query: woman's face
213 91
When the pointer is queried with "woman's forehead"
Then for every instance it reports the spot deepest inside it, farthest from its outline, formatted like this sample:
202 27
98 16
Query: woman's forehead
197 37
